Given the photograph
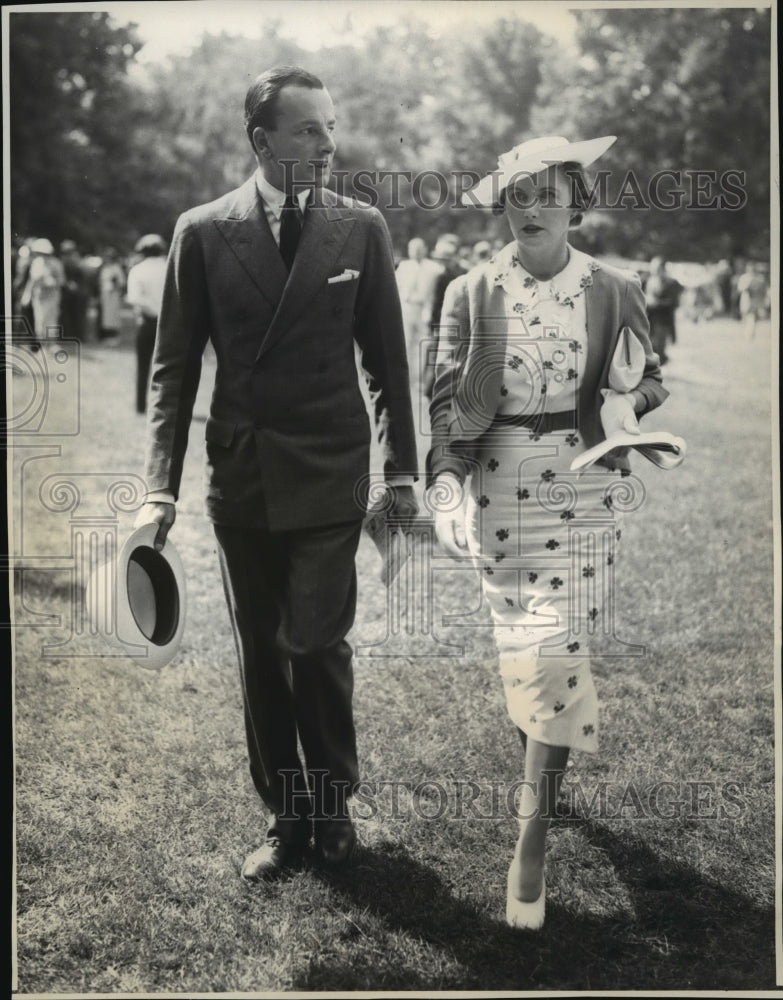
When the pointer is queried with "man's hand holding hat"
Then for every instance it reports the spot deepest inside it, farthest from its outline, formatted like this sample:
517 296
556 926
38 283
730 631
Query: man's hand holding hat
160 512
404 506
137 599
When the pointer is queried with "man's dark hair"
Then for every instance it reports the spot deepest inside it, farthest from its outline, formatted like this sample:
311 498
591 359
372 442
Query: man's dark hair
580 194
261 98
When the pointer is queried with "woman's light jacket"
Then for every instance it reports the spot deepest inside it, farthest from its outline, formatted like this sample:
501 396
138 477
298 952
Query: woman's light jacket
473 344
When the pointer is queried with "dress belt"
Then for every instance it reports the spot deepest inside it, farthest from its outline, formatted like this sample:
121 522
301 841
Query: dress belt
541 423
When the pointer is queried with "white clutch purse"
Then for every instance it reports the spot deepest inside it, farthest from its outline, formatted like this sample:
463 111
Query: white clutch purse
627 367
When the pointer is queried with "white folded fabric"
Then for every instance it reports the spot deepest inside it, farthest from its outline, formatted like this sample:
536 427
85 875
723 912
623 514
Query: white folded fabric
665 450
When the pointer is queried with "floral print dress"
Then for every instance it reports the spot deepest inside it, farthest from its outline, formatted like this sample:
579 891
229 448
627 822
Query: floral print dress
543 538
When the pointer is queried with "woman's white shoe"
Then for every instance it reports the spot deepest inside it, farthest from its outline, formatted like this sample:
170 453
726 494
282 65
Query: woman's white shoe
525 916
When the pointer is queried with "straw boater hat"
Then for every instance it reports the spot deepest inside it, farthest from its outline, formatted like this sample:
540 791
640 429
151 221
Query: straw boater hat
41 245
138 603
445 248
150 242
530 158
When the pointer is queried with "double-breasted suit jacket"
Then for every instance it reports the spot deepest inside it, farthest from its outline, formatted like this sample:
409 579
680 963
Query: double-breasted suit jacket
288 437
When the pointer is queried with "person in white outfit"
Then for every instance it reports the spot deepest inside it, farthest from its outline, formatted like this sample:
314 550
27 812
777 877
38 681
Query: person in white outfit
43 292
111 285
145 293
416 278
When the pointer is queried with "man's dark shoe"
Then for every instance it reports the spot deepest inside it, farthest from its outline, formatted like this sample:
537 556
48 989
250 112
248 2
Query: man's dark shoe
271 860
335 841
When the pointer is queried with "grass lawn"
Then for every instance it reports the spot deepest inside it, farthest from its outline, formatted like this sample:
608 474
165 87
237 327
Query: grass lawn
135 809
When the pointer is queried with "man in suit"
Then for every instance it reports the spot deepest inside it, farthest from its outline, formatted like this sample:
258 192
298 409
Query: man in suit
283 276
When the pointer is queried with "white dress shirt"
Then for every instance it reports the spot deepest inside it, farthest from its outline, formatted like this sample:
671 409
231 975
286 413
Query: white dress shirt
273 201
145 286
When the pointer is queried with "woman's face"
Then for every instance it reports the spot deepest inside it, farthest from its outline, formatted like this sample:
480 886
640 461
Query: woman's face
539 211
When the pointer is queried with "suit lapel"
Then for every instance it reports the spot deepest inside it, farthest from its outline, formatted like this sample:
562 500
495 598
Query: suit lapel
247 233
325 231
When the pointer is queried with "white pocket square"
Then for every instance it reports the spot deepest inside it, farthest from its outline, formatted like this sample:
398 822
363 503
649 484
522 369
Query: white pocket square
347 275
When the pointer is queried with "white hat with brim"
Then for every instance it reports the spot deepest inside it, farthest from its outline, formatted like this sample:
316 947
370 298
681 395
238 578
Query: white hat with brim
41 245
150 242
445 247
530 158
138 603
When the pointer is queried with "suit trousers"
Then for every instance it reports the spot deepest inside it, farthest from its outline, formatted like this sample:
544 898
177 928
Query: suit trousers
292 600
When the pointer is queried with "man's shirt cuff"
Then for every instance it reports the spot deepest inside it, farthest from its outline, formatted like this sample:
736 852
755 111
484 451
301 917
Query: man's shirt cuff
159 496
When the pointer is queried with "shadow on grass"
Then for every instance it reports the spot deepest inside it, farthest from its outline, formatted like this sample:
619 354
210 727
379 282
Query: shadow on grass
686 932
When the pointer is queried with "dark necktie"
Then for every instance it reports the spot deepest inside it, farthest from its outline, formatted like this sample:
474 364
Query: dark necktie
290 228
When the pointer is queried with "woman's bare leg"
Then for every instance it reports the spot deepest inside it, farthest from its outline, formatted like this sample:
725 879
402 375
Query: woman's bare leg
544 768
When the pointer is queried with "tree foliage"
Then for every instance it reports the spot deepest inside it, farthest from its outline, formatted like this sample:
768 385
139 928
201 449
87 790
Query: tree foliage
684 90
72 112
100 155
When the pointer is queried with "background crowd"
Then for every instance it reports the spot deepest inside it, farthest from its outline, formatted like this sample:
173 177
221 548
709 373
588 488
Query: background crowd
89 297
96 298
686 91
83 295
738 289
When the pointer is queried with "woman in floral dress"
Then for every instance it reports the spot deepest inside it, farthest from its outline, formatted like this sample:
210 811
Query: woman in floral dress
542 353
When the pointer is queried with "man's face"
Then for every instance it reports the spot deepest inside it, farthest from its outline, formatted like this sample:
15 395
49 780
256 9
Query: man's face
300 149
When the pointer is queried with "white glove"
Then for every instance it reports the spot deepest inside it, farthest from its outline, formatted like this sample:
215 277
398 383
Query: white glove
618 414
445 500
